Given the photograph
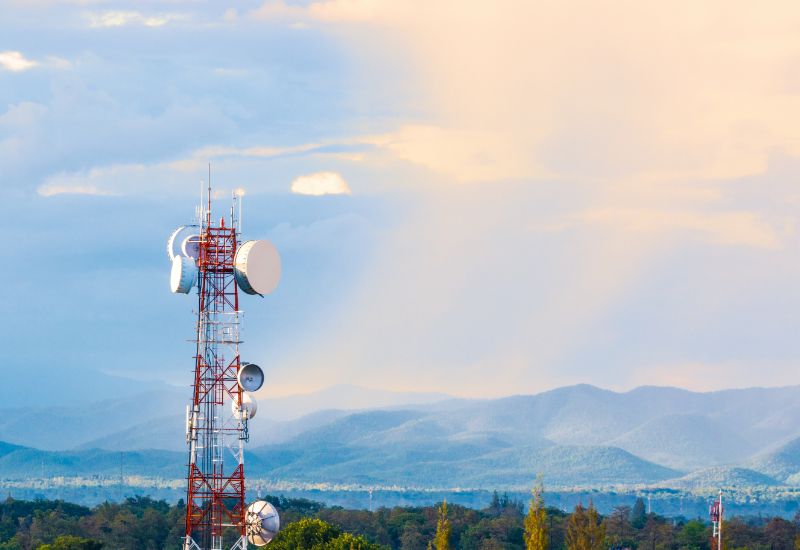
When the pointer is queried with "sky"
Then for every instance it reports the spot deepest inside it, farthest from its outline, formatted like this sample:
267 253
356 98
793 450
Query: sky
477 198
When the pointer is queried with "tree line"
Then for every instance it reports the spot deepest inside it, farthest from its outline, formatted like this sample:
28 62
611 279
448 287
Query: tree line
141 523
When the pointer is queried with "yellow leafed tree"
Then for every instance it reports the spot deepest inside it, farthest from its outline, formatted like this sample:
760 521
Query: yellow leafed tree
585 531
442 539
536 520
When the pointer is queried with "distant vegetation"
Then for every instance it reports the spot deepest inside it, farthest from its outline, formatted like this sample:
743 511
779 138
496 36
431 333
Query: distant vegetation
145 524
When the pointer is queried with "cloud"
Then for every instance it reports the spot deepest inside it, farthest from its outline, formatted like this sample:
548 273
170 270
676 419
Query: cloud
50 190
123 18
321 183
96 181
567 190
15 62
462 155
727 228
695 98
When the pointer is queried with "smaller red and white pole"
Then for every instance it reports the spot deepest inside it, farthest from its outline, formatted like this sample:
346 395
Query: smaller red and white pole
715 511
719 529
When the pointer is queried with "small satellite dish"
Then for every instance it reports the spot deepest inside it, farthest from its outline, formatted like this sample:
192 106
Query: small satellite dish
175 241
250 377
191 246
249 407
183 275
263 523
257 267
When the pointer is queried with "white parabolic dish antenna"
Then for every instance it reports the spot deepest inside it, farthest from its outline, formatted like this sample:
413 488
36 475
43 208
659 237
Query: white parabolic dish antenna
191 246
249 405
183 275
250 377
263 523
257 267
176 240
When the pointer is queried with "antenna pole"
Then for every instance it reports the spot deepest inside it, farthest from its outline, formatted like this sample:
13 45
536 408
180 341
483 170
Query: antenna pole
208 214
719 530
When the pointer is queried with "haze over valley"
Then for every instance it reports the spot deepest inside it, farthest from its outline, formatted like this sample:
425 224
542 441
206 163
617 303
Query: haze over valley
574 436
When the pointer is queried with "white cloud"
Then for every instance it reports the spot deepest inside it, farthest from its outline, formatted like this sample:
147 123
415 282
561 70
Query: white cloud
123 18
105 181
15 62
727 228
321 183
230 15
50 190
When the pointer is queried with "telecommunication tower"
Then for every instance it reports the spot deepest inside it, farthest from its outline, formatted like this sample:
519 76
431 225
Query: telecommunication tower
715 511
207 255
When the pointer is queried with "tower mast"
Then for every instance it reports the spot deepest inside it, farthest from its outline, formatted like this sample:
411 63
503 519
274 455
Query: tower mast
208 255
215 505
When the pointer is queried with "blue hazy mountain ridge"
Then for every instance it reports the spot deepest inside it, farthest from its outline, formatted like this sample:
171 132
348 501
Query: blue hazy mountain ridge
69 426
158 421
782 462
573 435
682 441
723 476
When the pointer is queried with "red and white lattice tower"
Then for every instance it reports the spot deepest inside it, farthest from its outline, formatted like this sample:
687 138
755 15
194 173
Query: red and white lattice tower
715 512
207 255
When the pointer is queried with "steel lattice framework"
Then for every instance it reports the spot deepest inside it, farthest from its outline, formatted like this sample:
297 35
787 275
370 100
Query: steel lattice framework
215 497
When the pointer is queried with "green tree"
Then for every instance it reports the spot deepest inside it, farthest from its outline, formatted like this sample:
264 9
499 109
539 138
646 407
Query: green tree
306 533
694 536
442 539
348 541
315 534
411 537
536 521
70 542
638 515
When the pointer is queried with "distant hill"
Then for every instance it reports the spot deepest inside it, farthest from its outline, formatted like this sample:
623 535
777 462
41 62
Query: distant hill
782 462
155 420
720 476
67 427
573 435
686 441
18 462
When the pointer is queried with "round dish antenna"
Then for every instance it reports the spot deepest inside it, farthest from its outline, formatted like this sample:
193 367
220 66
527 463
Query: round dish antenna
263 523
183 275
190 246
250 377
175 241
257 267
247 410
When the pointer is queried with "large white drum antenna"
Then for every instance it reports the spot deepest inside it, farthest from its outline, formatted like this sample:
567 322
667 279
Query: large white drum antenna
257 267
183 275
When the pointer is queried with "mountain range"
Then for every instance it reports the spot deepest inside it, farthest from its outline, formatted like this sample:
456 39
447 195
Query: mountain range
576 435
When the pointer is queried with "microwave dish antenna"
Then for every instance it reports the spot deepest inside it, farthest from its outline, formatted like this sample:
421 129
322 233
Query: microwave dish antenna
257 267
177 238
248 409
250 377
263 523
183 275
190 246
